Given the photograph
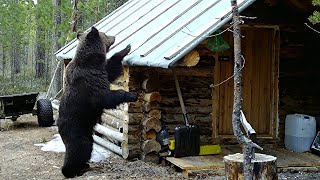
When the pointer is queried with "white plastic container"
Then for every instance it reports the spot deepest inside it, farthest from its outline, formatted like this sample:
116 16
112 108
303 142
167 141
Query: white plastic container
300 131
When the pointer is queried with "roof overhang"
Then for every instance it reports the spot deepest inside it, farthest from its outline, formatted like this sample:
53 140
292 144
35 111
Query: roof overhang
160 31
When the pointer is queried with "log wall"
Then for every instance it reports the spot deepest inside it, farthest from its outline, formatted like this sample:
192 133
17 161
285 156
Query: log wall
197 97
194 83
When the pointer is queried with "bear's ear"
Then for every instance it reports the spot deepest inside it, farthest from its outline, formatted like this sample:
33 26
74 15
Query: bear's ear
79 34
94 31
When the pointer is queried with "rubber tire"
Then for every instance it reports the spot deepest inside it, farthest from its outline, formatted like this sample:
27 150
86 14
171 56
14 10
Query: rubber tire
44 113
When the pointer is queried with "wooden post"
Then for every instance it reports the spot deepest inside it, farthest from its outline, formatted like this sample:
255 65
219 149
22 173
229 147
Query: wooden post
265 167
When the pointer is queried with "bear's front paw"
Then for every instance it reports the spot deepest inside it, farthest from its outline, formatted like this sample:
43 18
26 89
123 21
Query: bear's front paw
133 97
126 50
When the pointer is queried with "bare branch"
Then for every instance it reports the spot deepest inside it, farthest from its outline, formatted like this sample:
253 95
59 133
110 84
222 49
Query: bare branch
244 62
312 28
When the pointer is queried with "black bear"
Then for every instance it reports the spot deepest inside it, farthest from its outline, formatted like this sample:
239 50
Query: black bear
86 93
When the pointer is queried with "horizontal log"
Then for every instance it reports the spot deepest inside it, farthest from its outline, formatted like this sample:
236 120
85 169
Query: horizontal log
149 135
189 109
187 93
119 114
112 121
109 145
110 133
152 96
151 73
151 123
188 82
137 117
200 119
171 101
150 146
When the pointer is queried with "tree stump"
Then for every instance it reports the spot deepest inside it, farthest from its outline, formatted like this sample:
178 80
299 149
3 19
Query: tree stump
265 167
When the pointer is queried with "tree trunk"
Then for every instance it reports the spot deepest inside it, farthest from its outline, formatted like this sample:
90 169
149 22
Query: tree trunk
265 167
40 52
237 102
16 55
74 23
57 84
3 61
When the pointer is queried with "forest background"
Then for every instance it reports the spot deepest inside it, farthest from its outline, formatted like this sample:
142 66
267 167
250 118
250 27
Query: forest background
32 31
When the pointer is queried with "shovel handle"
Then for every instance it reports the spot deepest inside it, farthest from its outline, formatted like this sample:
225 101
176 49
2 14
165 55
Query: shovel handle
181 100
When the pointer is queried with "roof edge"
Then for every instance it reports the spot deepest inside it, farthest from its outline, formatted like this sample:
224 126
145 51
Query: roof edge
208 33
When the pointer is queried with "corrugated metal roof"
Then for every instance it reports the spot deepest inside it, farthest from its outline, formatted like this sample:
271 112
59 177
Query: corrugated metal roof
160 31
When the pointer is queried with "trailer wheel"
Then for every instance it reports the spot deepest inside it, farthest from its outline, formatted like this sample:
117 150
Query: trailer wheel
44 113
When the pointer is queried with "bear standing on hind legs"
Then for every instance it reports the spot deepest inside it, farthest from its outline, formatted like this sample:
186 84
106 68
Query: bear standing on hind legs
86 93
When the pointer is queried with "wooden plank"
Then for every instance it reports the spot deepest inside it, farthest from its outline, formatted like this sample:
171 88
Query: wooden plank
285 159
229 95
216 100
263 51
197 162
247 54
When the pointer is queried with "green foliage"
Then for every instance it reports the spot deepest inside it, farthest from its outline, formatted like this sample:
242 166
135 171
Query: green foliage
20 22
315 17
22 84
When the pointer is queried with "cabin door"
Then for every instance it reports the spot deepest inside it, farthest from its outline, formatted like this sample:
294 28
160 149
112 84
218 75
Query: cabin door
260 83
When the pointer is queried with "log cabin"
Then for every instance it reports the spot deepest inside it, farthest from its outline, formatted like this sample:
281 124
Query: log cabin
280 75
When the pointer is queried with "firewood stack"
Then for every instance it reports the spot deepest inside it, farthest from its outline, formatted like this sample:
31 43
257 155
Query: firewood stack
151 122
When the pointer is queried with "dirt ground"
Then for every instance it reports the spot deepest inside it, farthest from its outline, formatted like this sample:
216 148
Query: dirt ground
21 159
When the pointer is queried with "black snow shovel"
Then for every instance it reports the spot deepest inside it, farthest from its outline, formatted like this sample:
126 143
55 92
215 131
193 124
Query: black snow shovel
187 138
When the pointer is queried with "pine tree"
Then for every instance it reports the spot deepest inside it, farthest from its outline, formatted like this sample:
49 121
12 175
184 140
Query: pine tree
315 17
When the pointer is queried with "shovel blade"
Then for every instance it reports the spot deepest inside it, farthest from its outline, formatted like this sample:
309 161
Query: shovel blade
187 141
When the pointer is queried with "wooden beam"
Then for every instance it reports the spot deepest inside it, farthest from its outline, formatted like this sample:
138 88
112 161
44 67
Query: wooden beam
112 121
192 71
110 133
107 144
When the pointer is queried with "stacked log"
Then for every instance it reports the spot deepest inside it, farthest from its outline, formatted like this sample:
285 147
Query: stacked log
151 122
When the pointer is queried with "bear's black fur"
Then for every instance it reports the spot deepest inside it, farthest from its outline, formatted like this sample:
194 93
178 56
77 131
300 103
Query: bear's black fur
86 93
